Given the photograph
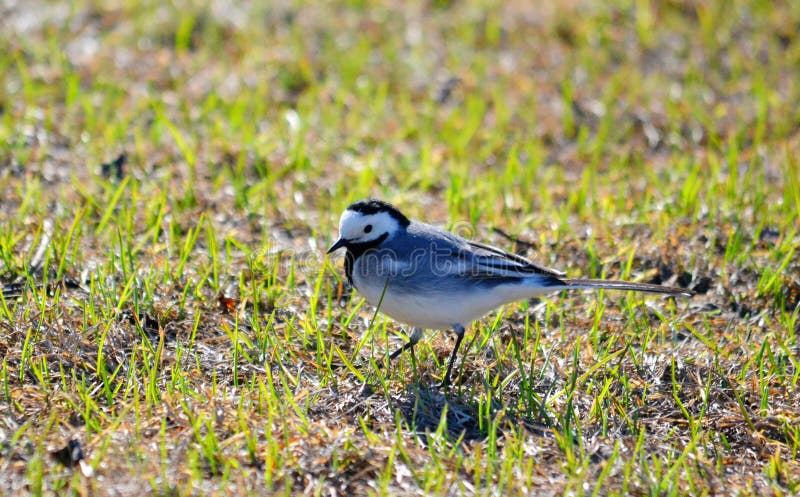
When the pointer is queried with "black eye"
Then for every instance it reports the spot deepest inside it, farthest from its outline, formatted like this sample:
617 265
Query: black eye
367 228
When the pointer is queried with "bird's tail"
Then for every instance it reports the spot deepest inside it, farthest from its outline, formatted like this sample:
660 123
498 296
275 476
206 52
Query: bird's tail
578 283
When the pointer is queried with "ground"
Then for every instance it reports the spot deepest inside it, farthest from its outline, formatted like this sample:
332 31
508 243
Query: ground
171 173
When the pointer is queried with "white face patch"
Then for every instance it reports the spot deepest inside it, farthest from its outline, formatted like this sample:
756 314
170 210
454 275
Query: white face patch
359 228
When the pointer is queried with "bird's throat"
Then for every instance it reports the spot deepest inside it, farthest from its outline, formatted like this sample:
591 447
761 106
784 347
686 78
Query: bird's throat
356 250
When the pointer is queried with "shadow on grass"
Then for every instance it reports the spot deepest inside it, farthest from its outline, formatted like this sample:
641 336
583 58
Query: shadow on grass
426 410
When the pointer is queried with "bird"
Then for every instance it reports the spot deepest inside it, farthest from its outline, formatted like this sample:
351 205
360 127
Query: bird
430 278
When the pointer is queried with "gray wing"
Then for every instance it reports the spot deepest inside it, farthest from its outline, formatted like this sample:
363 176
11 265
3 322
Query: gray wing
456 257
494 258
436 260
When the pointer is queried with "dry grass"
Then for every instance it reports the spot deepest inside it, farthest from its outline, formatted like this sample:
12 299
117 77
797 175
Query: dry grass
170 173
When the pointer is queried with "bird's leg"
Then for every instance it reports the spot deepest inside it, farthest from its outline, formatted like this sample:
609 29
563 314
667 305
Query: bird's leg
459 331
416 336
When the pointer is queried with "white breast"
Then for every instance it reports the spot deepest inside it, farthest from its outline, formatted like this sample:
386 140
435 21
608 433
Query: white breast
438 309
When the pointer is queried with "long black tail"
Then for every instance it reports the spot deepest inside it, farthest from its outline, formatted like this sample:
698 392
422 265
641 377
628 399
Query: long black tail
578 283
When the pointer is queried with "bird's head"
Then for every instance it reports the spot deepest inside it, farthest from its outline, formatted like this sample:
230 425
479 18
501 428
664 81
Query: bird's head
368 221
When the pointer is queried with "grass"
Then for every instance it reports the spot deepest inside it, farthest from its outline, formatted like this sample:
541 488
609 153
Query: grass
170 175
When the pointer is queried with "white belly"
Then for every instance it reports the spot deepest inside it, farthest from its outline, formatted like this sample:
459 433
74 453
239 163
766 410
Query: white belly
442 309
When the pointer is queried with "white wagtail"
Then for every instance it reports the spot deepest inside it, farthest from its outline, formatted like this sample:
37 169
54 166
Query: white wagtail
430 278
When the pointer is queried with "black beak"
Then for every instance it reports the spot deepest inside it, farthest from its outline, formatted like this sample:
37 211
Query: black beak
341 242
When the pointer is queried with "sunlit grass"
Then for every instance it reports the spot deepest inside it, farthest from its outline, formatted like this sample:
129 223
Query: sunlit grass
170 176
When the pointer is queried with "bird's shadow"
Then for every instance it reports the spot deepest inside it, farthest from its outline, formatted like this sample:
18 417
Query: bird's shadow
462 420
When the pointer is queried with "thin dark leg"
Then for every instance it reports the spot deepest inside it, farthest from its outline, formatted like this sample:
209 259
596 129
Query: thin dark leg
407 346
415 337
459 331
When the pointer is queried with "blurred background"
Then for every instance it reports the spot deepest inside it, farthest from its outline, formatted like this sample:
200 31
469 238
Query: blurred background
170 171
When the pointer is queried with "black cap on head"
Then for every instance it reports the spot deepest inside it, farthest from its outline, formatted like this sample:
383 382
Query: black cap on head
374 206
